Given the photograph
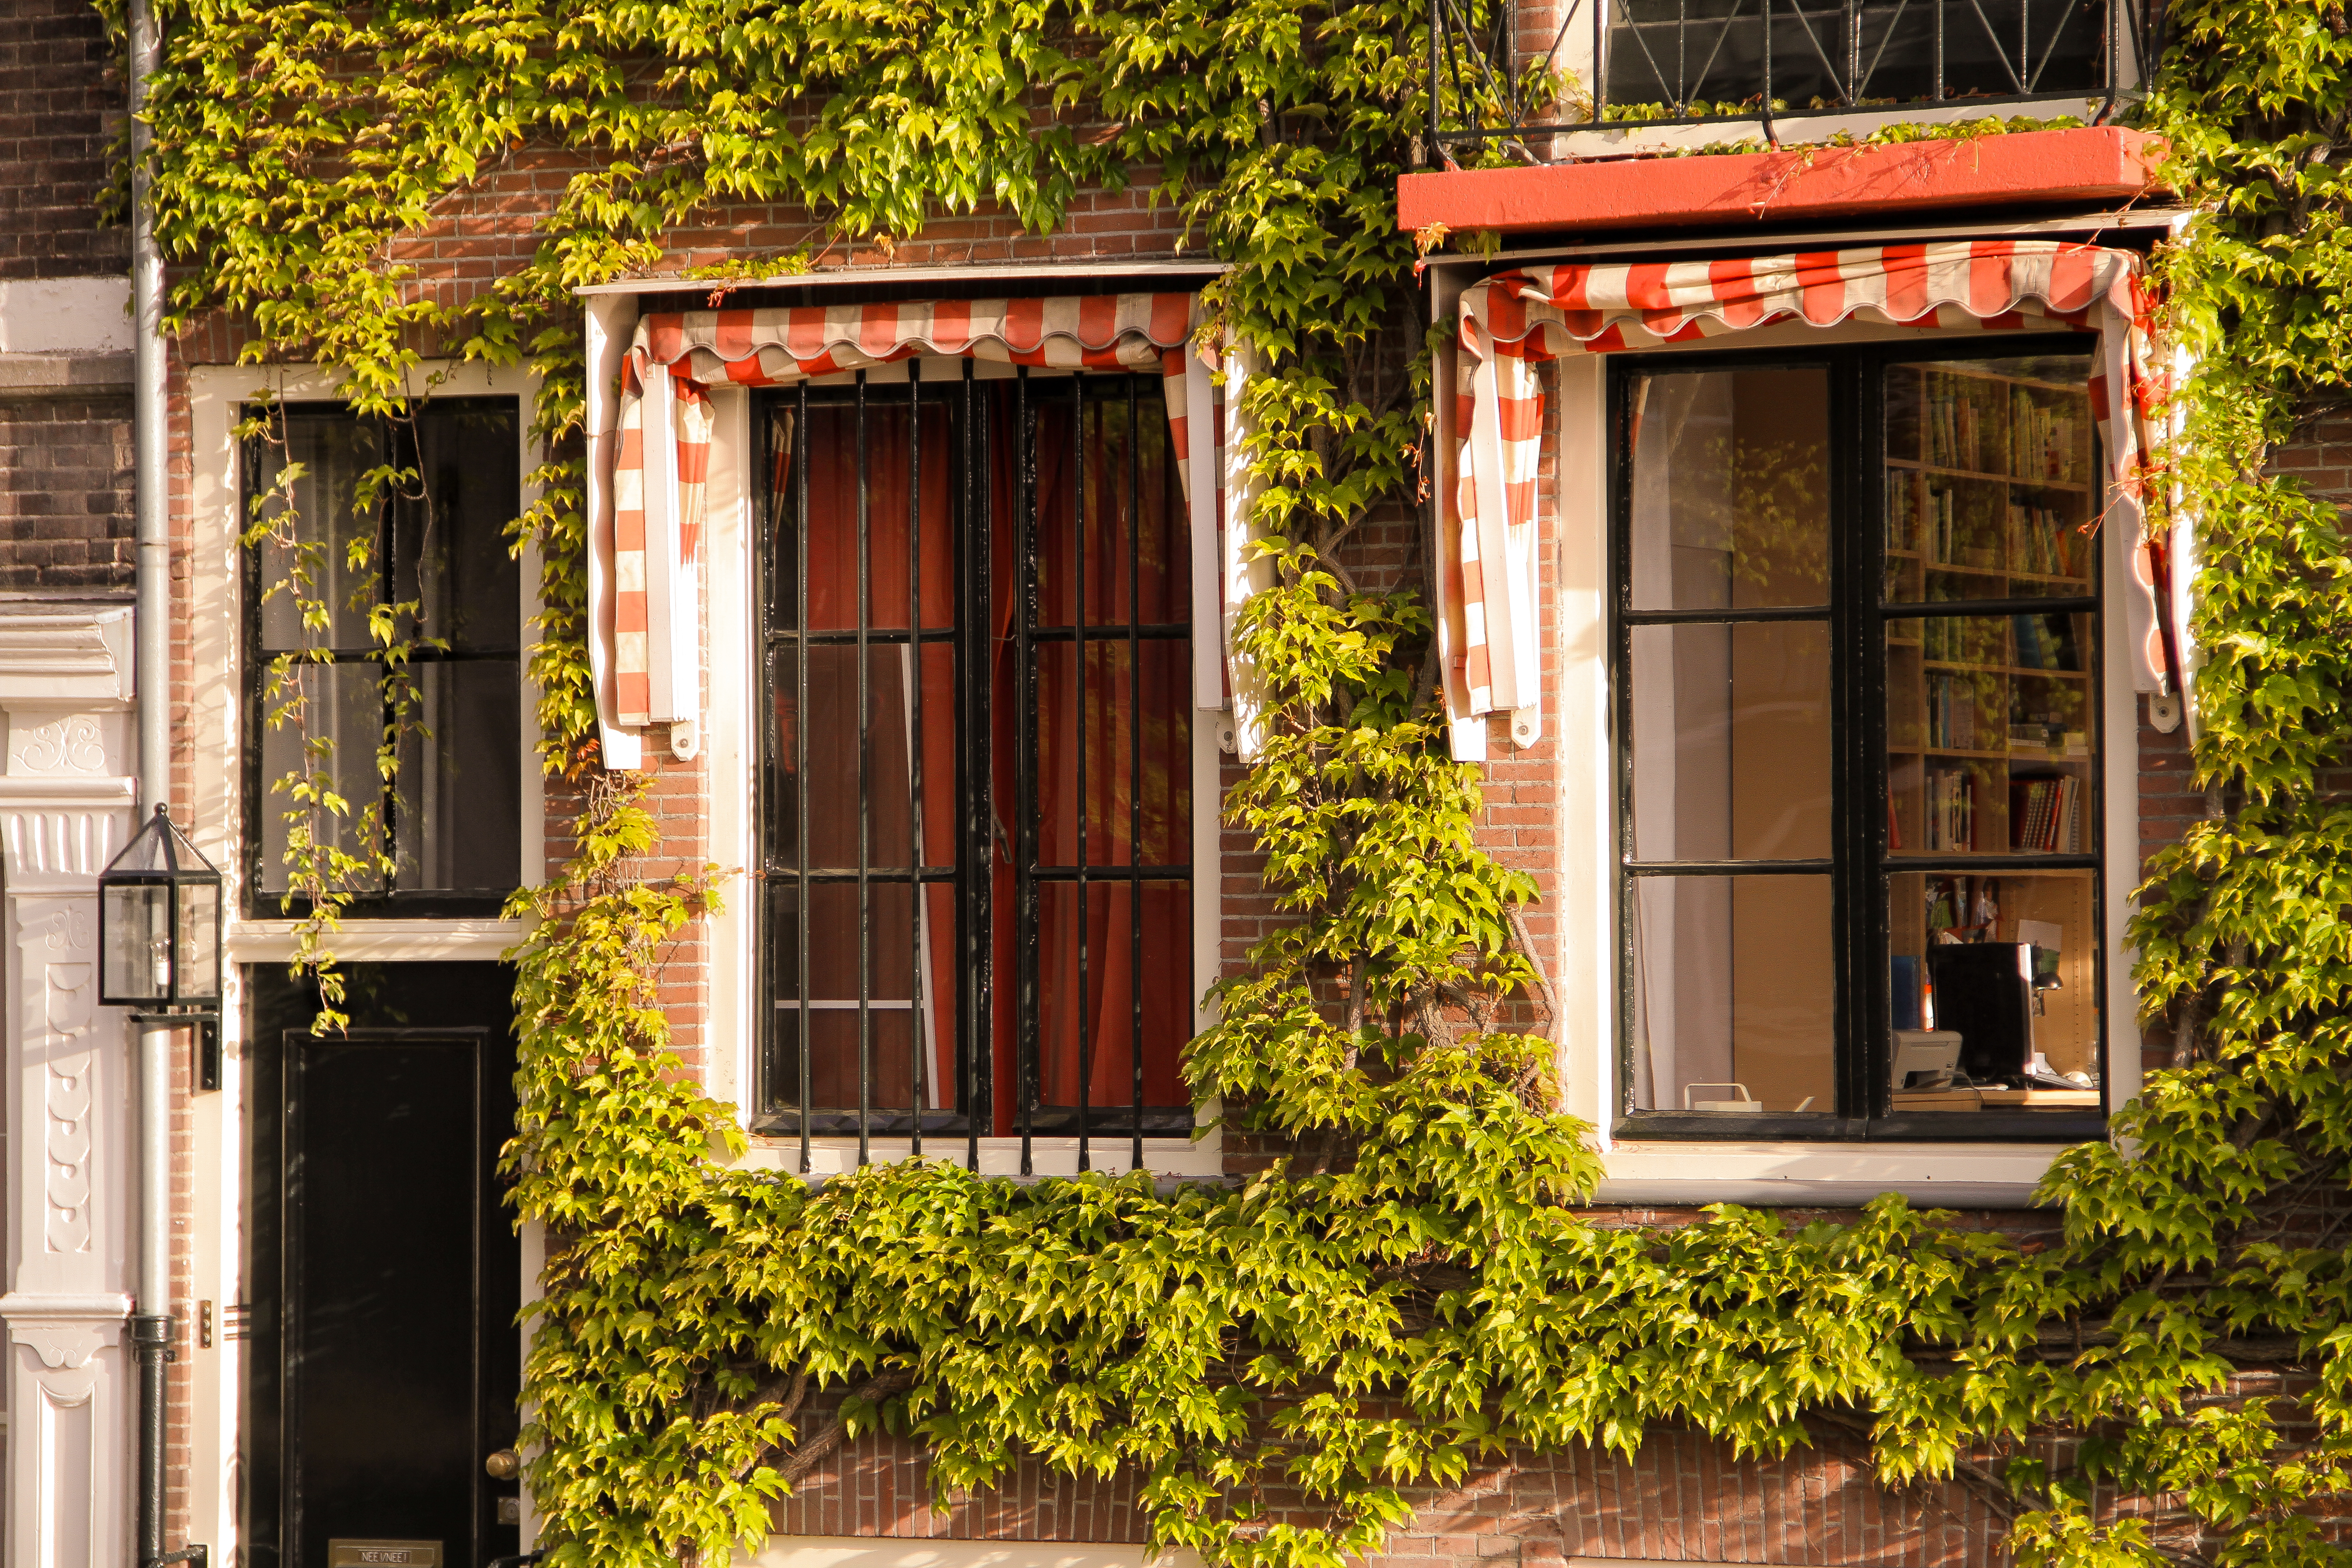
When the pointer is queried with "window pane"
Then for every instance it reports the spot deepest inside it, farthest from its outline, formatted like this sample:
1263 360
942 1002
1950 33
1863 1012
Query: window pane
834 479
458 816
1706 56
1731 741
1730 500
1991 741
1096 733
334 450
1123 479
1994 978
1091 973
1992 480
897 950
1733 1001
342 719
842 795
453 552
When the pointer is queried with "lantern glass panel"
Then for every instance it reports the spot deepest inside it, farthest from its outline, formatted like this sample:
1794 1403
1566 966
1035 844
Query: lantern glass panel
138 951
199 962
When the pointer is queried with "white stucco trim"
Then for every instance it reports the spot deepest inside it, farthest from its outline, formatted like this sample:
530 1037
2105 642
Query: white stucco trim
66 315
214 730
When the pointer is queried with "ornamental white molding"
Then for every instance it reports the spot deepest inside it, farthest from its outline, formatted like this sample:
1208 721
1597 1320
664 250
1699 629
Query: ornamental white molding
66 798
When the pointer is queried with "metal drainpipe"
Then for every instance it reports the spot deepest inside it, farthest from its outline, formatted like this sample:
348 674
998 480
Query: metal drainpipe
151 1324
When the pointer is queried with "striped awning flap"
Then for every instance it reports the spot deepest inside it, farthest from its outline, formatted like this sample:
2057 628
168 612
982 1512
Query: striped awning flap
648 666
1489 617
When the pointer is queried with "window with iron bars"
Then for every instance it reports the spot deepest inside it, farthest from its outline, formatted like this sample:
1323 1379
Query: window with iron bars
975 912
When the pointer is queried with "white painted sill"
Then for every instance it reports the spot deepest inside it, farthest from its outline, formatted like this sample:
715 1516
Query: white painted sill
1808 1176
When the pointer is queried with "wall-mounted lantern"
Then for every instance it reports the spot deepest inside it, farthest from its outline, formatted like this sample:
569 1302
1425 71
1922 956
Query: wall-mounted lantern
159 926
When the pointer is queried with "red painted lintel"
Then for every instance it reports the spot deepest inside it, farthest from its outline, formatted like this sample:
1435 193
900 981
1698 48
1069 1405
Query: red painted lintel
2092 164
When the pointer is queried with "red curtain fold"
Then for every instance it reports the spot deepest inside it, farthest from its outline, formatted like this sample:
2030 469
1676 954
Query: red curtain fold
840 793
1130 566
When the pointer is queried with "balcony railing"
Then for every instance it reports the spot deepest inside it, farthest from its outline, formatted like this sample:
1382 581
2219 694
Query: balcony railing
1515 72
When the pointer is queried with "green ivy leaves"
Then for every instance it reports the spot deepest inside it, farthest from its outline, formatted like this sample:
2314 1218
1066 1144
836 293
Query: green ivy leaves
368 185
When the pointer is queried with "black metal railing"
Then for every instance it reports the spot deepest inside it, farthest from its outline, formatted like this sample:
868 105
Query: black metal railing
1496 77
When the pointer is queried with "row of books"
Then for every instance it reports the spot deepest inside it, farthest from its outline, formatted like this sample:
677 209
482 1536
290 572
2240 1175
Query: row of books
1952 712
1963 907
1961 639
1955 537
1951 809
2041 542
1965 427
2043 646
1902 510
1957 426
2046 442
2045 815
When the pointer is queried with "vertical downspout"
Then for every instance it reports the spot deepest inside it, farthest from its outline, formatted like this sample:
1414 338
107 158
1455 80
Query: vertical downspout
151 1324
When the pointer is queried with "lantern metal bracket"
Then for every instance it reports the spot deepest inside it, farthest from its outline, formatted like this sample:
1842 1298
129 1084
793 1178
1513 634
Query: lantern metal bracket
204 1065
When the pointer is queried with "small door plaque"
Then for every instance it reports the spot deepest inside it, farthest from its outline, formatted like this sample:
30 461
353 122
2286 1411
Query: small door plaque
383 1554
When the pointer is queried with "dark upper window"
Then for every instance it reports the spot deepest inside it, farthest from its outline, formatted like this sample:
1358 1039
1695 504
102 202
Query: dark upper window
976 840
412 515
1858 731
1706 56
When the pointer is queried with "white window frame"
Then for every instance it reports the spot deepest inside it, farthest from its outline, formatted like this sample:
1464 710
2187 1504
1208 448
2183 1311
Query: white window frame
1584 962
729 744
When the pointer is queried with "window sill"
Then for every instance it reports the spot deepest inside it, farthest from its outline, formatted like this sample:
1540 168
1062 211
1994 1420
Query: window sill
1808 1176
1049 1156
379 941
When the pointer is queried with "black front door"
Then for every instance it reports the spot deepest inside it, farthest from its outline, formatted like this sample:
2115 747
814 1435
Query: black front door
384 1272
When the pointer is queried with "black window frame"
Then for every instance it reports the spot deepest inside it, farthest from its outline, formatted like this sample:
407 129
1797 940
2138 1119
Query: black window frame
1859 866
981 820
253 792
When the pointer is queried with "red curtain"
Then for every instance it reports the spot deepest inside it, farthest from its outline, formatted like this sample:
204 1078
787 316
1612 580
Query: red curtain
837 787
1127 726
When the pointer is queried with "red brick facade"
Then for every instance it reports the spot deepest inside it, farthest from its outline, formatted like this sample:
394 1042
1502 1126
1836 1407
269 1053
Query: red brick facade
64 528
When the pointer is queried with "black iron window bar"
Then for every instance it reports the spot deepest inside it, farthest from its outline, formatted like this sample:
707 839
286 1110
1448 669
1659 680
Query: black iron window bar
1673 52
980 833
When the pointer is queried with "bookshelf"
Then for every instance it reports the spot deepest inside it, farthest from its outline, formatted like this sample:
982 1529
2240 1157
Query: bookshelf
1990 476
1989 480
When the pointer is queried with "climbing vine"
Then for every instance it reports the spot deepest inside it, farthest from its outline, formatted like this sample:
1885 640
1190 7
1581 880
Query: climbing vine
1413 1290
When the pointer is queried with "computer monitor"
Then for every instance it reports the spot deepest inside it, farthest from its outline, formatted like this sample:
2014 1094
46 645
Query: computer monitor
1984 992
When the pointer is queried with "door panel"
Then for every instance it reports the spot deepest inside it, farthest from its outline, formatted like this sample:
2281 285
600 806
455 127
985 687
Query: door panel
386 1277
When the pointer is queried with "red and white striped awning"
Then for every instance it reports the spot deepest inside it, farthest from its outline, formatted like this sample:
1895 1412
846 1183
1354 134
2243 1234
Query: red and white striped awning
1488 616
646 603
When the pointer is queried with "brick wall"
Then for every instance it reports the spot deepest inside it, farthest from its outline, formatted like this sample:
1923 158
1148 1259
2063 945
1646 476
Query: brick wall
1683 1497
62 104
65 490
2318 456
